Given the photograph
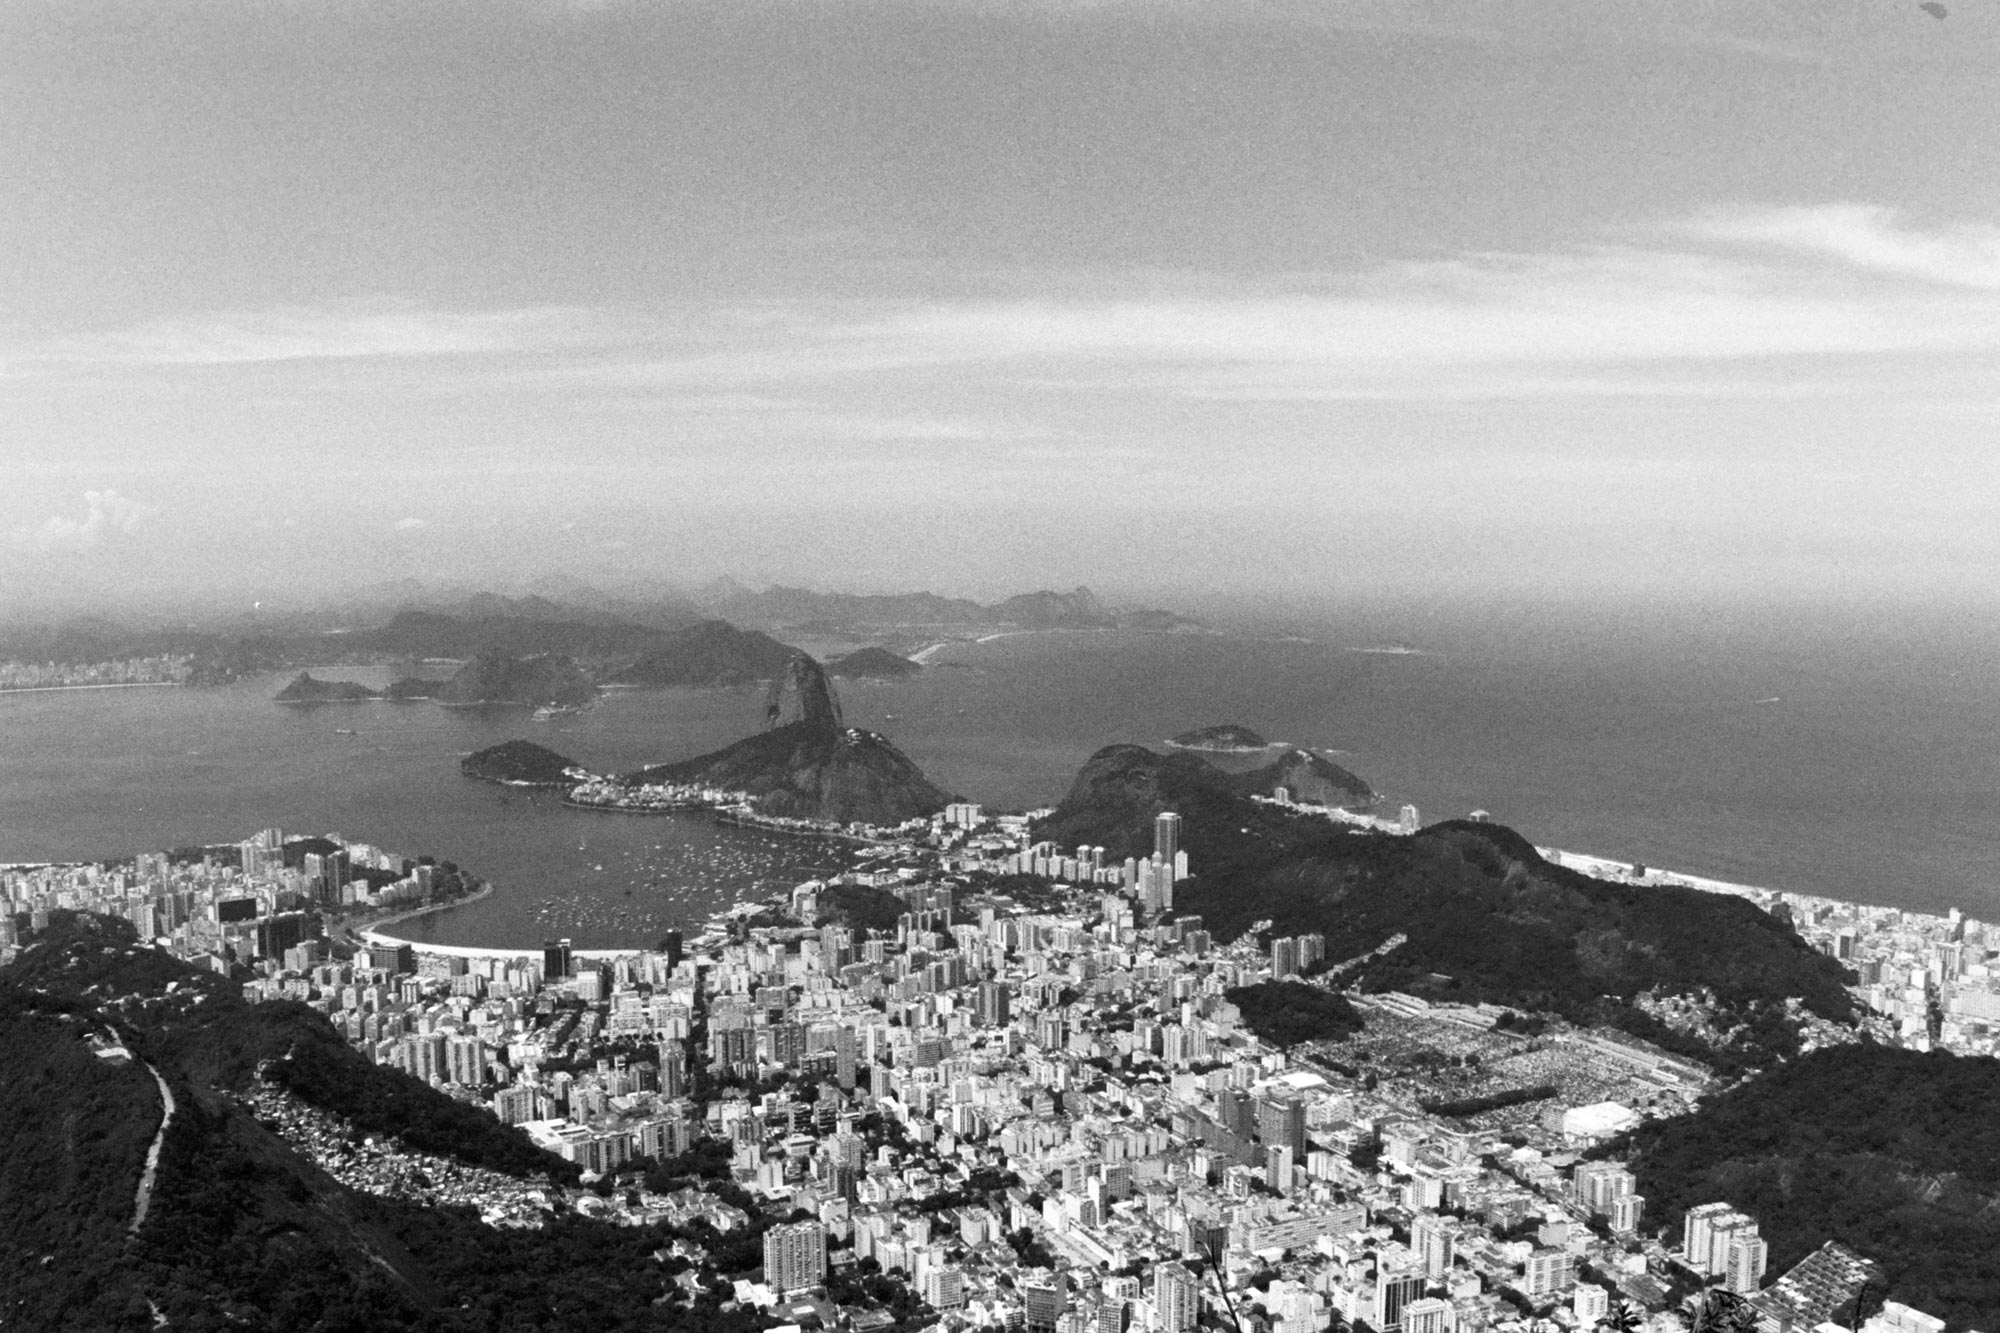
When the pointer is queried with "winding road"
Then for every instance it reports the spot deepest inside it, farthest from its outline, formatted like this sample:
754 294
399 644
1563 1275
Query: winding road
144 1198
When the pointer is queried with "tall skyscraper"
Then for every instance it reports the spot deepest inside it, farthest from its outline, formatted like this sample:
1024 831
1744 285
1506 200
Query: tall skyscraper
795 1257
1431 1242
1176 1297
670 945
556 959
1281 1121
1166 836
1393 1294
994 1004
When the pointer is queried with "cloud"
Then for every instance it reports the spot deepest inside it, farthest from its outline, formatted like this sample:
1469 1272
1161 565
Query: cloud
299 334
107 514
1867 238
410 524
1700 308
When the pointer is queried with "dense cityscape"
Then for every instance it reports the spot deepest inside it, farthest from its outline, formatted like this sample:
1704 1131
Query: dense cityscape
1014 1078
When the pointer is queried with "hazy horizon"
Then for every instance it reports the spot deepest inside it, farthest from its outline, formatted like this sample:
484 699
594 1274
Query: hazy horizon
1593 301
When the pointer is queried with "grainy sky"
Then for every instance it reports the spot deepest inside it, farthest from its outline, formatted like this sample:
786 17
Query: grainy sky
1581 295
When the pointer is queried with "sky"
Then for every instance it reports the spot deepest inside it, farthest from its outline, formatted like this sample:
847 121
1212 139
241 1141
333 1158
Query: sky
1581 297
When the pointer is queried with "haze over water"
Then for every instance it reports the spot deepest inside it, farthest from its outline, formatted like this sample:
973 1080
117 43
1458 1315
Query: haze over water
1850 758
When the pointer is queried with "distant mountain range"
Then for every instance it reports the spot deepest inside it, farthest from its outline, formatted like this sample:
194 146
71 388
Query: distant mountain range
689 637
1486 918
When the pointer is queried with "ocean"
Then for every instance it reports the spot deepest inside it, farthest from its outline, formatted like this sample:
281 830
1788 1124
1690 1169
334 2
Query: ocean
1854 755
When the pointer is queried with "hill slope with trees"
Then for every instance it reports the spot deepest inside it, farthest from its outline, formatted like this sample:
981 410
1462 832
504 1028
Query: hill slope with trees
1893 1153
1486 918
243 1232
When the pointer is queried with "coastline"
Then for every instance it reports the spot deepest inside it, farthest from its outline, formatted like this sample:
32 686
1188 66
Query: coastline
113 685
367 923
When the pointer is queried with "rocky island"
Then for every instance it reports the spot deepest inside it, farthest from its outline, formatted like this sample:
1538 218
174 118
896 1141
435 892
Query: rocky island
807 764
1228 738
523 764
872 663
307 688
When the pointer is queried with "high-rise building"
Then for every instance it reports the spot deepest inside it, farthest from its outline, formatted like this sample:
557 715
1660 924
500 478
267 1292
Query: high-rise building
1166 836
1278 1167
844 1044
795 1257
1045 1301
465 1059
1590 1303
1393 1294
1429 1315
1695 1226
1431 1241
1284 958
1548 1272
556 959
1281 1121
1626 1210
1176 1297
1747 1257
995 1002
670 945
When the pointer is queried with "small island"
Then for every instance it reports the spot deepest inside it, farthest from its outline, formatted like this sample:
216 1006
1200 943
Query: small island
523 764
309 689
873 663
546 680
1228 738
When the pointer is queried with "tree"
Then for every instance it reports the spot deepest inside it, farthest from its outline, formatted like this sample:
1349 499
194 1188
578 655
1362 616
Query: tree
1623 1317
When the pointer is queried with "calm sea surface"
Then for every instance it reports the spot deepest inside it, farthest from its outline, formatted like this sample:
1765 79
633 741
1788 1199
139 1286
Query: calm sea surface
1847 757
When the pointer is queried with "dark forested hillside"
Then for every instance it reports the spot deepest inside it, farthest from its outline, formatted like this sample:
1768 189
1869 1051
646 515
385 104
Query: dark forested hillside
1896 1154
244 1233
1486 918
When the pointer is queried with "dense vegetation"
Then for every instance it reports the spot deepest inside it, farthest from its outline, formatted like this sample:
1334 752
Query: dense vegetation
1285 1013
243 1232
1492 1101
520 764
498 678
1486 918
862 906
77 1131
1893 1153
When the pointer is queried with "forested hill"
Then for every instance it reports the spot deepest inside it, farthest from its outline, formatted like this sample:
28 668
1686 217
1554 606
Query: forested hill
244 1232
1487 919
1893 1153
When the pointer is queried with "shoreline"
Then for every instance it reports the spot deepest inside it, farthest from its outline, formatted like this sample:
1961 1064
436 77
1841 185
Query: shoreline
365 925
111 685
